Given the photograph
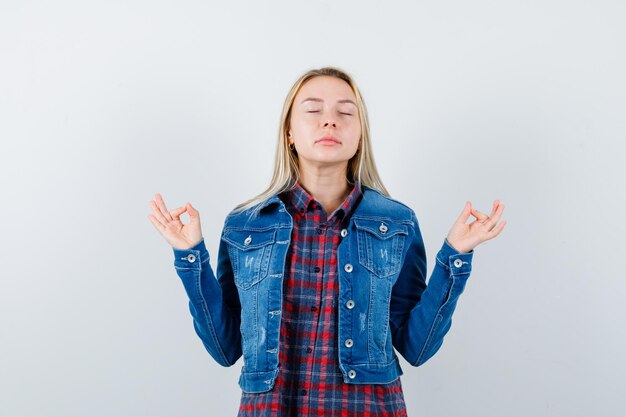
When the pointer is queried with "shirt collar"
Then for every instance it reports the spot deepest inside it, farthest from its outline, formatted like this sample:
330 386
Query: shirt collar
300 200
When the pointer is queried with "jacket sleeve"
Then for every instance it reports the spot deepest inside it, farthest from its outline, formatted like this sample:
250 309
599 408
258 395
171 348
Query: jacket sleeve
420 314
213 303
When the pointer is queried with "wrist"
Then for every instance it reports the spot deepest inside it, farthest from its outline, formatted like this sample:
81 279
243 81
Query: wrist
458 247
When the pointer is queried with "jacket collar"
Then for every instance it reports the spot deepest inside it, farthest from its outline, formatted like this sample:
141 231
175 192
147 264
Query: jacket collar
372 203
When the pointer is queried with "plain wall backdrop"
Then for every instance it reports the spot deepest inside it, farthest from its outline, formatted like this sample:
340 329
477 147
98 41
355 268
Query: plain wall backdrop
104 104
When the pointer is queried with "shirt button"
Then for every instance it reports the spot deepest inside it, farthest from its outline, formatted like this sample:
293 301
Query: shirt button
191 257
344 232
319 231
348 267
348 343
303 392
316 269
313 308
309 350
350 304
352 374
458 262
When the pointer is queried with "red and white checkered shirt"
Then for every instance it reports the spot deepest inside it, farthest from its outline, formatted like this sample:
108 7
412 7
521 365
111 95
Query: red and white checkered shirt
309 382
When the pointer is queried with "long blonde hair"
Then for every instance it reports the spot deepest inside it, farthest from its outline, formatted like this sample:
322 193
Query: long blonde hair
361 167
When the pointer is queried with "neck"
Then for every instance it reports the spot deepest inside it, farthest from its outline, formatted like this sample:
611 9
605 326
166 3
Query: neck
327 185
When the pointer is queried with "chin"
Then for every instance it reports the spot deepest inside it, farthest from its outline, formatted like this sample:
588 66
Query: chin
328 159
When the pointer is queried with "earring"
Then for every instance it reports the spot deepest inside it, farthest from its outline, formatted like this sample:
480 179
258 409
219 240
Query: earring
292 146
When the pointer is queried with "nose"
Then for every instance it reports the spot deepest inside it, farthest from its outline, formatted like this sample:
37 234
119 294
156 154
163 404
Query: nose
327 123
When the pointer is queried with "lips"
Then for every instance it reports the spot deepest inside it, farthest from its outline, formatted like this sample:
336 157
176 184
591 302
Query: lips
327 139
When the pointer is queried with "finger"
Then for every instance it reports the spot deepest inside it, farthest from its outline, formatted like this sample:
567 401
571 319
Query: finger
496 204
156 212
162 207
495 232
177 212
479 215
493 220
157 224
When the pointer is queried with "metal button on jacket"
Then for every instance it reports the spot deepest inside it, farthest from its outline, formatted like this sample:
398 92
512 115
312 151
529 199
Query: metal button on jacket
248 240
458 263
349 342
350 304
344 232
191 257
382 228
351 373
348 267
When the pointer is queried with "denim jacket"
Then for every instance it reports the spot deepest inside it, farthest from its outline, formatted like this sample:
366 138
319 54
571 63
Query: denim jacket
383 299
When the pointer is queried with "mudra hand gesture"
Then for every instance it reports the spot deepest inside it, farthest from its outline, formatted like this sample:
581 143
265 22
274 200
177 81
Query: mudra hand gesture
168 223
465 237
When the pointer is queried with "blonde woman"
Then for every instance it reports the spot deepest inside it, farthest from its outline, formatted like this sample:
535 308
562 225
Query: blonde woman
323 274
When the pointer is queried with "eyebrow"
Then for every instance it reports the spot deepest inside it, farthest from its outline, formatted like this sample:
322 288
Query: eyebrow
320 100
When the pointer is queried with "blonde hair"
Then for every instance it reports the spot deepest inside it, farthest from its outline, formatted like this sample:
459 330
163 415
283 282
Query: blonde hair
361 167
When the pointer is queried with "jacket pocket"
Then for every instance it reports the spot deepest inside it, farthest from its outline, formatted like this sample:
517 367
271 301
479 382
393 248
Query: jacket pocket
380 245
250 251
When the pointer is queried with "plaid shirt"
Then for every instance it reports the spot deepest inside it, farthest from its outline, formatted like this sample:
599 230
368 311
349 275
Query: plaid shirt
309 382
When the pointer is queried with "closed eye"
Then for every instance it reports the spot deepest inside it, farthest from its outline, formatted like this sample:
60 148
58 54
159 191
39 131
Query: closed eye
317 111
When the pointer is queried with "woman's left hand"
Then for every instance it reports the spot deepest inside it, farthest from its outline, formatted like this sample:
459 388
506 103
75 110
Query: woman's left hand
465 237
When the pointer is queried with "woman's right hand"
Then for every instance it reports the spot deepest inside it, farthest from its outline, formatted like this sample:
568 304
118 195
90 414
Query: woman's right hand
177 234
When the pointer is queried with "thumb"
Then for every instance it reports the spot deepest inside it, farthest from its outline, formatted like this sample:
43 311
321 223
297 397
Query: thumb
465 213
193 213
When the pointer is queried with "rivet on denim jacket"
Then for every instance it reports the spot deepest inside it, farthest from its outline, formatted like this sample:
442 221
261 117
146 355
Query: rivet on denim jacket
383 300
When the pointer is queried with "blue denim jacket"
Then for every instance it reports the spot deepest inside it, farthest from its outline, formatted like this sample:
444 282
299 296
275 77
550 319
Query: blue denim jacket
383 298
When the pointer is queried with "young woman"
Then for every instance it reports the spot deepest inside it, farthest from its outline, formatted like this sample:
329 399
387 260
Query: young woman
323 274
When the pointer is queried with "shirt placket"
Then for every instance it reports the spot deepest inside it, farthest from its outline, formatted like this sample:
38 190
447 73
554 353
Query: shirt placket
317 229
322 359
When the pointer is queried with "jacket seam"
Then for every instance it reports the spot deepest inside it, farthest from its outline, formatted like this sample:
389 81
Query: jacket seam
429 338
209 320
438 319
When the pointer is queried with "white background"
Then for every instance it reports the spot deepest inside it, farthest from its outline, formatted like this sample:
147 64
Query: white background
103 104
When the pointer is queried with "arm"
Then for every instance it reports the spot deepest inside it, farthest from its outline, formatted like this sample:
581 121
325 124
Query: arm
421 315
213 303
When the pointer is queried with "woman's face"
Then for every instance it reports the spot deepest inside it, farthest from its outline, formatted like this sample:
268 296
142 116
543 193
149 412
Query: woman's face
325 107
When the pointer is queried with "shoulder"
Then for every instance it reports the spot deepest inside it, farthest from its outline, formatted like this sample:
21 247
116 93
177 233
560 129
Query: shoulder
378 202
257 215
237 217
